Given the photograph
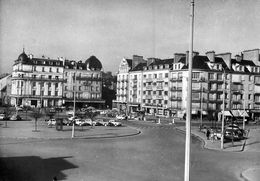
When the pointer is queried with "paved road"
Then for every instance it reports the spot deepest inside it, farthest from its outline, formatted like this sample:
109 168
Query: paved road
156 154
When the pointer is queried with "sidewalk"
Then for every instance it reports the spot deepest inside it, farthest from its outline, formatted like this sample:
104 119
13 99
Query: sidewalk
251 144
215 145
26 130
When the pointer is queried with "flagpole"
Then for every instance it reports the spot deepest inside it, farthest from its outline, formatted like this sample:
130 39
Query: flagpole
189 98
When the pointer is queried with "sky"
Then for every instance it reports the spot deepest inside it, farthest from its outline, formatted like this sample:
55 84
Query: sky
115 29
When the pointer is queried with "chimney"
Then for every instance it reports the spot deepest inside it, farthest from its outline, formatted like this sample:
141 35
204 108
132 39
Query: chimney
187 56
211 56
30 56
136 60
178 56
238 58
150 61
252 55
226 57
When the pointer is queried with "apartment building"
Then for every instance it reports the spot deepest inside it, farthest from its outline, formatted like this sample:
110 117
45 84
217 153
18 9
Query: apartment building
84 79
37 82
216 79
45 82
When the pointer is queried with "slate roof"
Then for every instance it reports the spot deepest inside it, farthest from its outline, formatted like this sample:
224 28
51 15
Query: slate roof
93 63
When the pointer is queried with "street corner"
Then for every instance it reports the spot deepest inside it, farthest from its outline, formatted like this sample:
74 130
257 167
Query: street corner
251 174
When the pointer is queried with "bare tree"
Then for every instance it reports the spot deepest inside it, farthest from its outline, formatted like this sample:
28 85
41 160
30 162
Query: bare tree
7 113
36 114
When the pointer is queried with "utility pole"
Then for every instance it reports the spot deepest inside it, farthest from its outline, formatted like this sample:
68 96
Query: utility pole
74 104
244 111
189 98
223 114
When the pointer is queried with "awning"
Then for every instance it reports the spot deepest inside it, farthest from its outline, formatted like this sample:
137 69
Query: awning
243 113
235 113
226 113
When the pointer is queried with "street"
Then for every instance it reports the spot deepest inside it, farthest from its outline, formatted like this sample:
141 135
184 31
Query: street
155 154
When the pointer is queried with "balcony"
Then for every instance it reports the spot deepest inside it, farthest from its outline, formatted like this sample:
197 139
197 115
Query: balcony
148 96
159 97
176 89
160 79
216 80
237 101
149 87
149 80
89 78
39 79
237 91
215 90
159 87
173 98
176 79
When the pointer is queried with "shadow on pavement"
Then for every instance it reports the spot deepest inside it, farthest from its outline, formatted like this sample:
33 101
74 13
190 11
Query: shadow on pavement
30 168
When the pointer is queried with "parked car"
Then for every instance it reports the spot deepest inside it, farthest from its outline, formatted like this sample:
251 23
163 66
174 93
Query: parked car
78 121
235 134
114 123
121 117
4 117
87 122
234 126
15 117
51 122
19 108
101 122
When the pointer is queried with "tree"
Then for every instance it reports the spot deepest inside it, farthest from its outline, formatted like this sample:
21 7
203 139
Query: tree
91 114
7 112
36 114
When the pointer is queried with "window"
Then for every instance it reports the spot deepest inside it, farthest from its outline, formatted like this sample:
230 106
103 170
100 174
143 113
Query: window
49 76
166 75
166 93
56 85
56 93
34 92
211 76
195 75
155 76
49 93
43 69
165 102
66 88
50 69
34 84
57 70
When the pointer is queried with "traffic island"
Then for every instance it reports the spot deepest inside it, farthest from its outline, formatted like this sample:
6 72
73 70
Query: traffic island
23 130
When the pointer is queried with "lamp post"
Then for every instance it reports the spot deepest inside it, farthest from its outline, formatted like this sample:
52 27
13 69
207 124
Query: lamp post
201 103
244 112
74 104
223 114
189 98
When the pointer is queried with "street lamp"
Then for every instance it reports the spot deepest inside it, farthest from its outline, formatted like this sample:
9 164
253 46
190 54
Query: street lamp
223 114
189 99
74 104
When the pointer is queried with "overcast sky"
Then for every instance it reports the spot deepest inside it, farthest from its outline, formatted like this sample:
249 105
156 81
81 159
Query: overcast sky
113 29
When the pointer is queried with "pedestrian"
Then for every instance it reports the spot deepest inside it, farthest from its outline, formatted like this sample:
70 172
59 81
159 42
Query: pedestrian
208 134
